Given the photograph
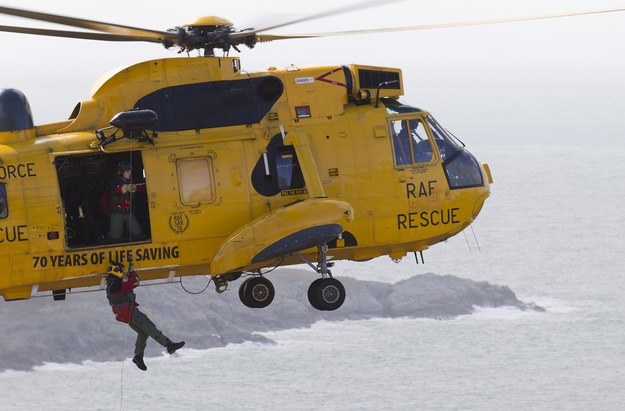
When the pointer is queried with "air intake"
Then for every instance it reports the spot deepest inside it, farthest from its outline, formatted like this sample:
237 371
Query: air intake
15 112
371 79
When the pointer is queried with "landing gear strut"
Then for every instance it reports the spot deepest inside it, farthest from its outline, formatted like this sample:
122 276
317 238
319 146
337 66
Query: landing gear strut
325 293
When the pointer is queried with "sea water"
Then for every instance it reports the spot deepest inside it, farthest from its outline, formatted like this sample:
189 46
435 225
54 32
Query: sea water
493 359
552 231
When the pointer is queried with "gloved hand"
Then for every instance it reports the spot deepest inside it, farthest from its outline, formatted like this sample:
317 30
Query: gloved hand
132 188
133 278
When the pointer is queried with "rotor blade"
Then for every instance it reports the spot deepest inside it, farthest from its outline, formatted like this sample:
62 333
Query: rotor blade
334 12
89 24
268 37
265 38
76 34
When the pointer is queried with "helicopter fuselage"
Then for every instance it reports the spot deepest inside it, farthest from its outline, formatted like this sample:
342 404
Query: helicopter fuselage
241 171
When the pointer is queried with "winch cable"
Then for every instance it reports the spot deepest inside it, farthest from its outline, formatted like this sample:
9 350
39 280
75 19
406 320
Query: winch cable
121 377
129 255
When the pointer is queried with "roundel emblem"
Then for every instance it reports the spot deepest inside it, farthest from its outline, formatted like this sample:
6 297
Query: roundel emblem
178 223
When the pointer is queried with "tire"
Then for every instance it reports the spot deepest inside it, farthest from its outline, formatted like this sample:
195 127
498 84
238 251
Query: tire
242 293
312 295
326 294
258 292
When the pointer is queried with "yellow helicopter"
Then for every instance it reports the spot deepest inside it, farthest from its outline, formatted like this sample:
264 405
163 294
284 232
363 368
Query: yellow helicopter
193 165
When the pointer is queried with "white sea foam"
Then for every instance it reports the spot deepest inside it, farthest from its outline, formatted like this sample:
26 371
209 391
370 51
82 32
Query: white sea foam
500 313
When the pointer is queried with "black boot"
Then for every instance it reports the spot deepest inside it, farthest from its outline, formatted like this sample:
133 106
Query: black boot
172 347
138 360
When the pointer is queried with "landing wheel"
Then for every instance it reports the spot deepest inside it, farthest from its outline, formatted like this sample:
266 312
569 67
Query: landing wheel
256 292
242 294
326 294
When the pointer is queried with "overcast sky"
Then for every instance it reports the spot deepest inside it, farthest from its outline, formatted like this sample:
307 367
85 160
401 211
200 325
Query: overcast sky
462 74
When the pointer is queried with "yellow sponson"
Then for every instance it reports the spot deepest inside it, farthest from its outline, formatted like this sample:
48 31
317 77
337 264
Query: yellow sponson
250 240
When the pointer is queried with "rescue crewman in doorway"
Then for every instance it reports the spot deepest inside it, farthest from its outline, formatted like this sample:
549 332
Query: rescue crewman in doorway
121 297
122 191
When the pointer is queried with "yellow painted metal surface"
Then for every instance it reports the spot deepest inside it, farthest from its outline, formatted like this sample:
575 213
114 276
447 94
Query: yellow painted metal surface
237 251
344 151
209 21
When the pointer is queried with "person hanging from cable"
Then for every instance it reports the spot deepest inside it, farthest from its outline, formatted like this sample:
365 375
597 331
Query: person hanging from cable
121 297
122 191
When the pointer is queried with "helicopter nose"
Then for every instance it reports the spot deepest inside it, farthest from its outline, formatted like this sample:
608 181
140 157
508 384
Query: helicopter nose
484 192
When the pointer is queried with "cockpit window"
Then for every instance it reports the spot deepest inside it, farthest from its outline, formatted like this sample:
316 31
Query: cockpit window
410 142
461 168
446 142
463 171
4 205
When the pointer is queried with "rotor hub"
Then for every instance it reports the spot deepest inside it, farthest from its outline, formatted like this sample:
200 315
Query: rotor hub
209 21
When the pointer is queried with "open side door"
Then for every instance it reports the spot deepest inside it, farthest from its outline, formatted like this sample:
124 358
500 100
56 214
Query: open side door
86 184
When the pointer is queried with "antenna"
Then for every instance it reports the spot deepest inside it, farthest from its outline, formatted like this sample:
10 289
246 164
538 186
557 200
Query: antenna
377 94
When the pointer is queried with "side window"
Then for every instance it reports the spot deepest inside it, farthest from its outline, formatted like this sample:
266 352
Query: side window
284 168
287 169
195 179
4 204
401 143
410 142
277 169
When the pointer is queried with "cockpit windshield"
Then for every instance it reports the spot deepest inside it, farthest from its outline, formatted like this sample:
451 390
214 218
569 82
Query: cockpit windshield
461 168
446 142
412 147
